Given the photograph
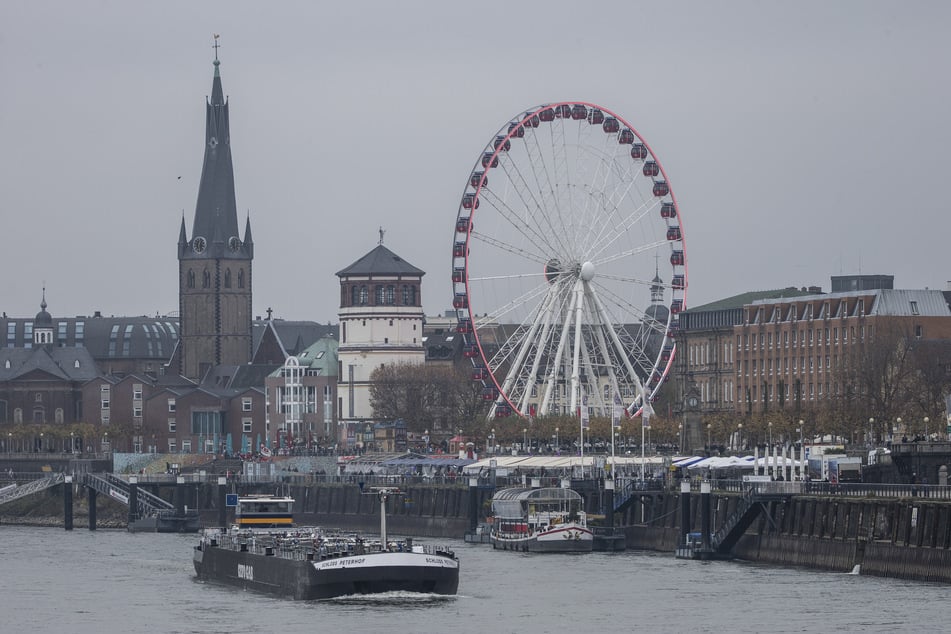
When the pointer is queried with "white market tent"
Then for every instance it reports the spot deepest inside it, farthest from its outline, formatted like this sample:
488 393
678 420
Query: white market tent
723 462
556 463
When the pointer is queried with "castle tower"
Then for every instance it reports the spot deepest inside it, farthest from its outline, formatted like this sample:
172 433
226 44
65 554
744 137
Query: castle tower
214 265
381 322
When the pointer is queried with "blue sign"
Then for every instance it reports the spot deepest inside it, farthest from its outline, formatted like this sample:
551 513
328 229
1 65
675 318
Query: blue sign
231 499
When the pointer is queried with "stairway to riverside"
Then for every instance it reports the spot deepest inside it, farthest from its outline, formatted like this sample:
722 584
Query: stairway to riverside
119 490
749 507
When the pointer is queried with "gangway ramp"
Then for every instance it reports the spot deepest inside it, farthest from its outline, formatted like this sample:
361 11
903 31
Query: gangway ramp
118 489
17 491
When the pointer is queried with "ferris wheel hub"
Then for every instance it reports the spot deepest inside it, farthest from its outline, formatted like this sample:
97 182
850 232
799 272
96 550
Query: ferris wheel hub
587 271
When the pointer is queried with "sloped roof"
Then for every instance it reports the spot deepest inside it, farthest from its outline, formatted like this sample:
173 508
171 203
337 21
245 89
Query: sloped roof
292 336
105 337
66 364
741 300
928 303
381 261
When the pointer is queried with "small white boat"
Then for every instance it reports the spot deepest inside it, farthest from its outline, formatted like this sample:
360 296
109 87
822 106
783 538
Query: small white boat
548 520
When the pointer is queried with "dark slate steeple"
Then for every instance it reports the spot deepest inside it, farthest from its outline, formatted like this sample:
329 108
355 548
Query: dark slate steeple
215 231
214 265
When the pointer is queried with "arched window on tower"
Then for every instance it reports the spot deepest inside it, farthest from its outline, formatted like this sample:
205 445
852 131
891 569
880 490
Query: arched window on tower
364 296
378 295
354 295
191 279
390 298
227 278
205 279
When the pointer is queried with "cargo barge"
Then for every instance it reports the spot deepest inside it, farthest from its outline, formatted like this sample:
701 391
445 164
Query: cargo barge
308 563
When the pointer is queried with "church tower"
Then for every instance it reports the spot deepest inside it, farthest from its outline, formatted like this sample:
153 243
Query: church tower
214 265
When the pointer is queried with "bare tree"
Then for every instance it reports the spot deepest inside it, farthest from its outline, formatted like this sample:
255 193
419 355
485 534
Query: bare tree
425 396
931 361
879 371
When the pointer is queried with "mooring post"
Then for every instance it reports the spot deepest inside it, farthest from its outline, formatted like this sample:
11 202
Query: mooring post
68 502
684 511
92 495
222 500
133 500
705 515
609 500
473 504
180 496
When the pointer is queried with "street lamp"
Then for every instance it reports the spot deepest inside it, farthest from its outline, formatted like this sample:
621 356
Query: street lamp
524 438
894 431
926 427
648 428
557 444
739 436
708 437
72 442
871 433
492 440
41 442
802 427
9 441
769 425
680 437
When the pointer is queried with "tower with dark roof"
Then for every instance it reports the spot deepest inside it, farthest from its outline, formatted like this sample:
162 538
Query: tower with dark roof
381 322
214 265
43 326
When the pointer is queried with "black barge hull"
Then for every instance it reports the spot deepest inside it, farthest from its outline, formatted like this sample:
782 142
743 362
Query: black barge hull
314 579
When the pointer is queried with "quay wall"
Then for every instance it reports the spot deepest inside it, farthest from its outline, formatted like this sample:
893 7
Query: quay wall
905 537
420 510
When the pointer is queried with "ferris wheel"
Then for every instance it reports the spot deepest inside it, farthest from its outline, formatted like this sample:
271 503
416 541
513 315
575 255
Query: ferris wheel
569 266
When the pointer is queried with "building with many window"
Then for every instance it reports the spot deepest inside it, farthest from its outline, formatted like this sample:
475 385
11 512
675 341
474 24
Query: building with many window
782 350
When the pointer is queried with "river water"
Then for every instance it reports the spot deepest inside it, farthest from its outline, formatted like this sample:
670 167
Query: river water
107 581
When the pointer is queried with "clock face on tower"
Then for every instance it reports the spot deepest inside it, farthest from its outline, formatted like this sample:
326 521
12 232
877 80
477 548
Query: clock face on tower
234 243
692 401
198 244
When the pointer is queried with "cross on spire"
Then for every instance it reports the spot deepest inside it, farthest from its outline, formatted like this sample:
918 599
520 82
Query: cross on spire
216 46
381 235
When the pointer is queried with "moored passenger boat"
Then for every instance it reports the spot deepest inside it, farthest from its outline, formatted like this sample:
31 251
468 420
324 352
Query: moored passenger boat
543 520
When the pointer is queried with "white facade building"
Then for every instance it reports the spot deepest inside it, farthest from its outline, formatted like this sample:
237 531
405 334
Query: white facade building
381 322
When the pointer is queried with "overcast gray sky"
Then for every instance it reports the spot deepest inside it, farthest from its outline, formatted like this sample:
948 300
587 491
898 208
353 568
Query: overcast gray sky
801 139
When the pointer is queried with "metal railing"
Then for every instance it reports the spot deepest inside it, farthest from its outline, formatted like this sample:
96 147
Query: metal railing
118 489
17 491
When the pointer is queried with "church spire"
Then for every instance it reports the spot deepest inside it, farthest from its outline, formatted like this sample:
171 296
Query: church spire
216 213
